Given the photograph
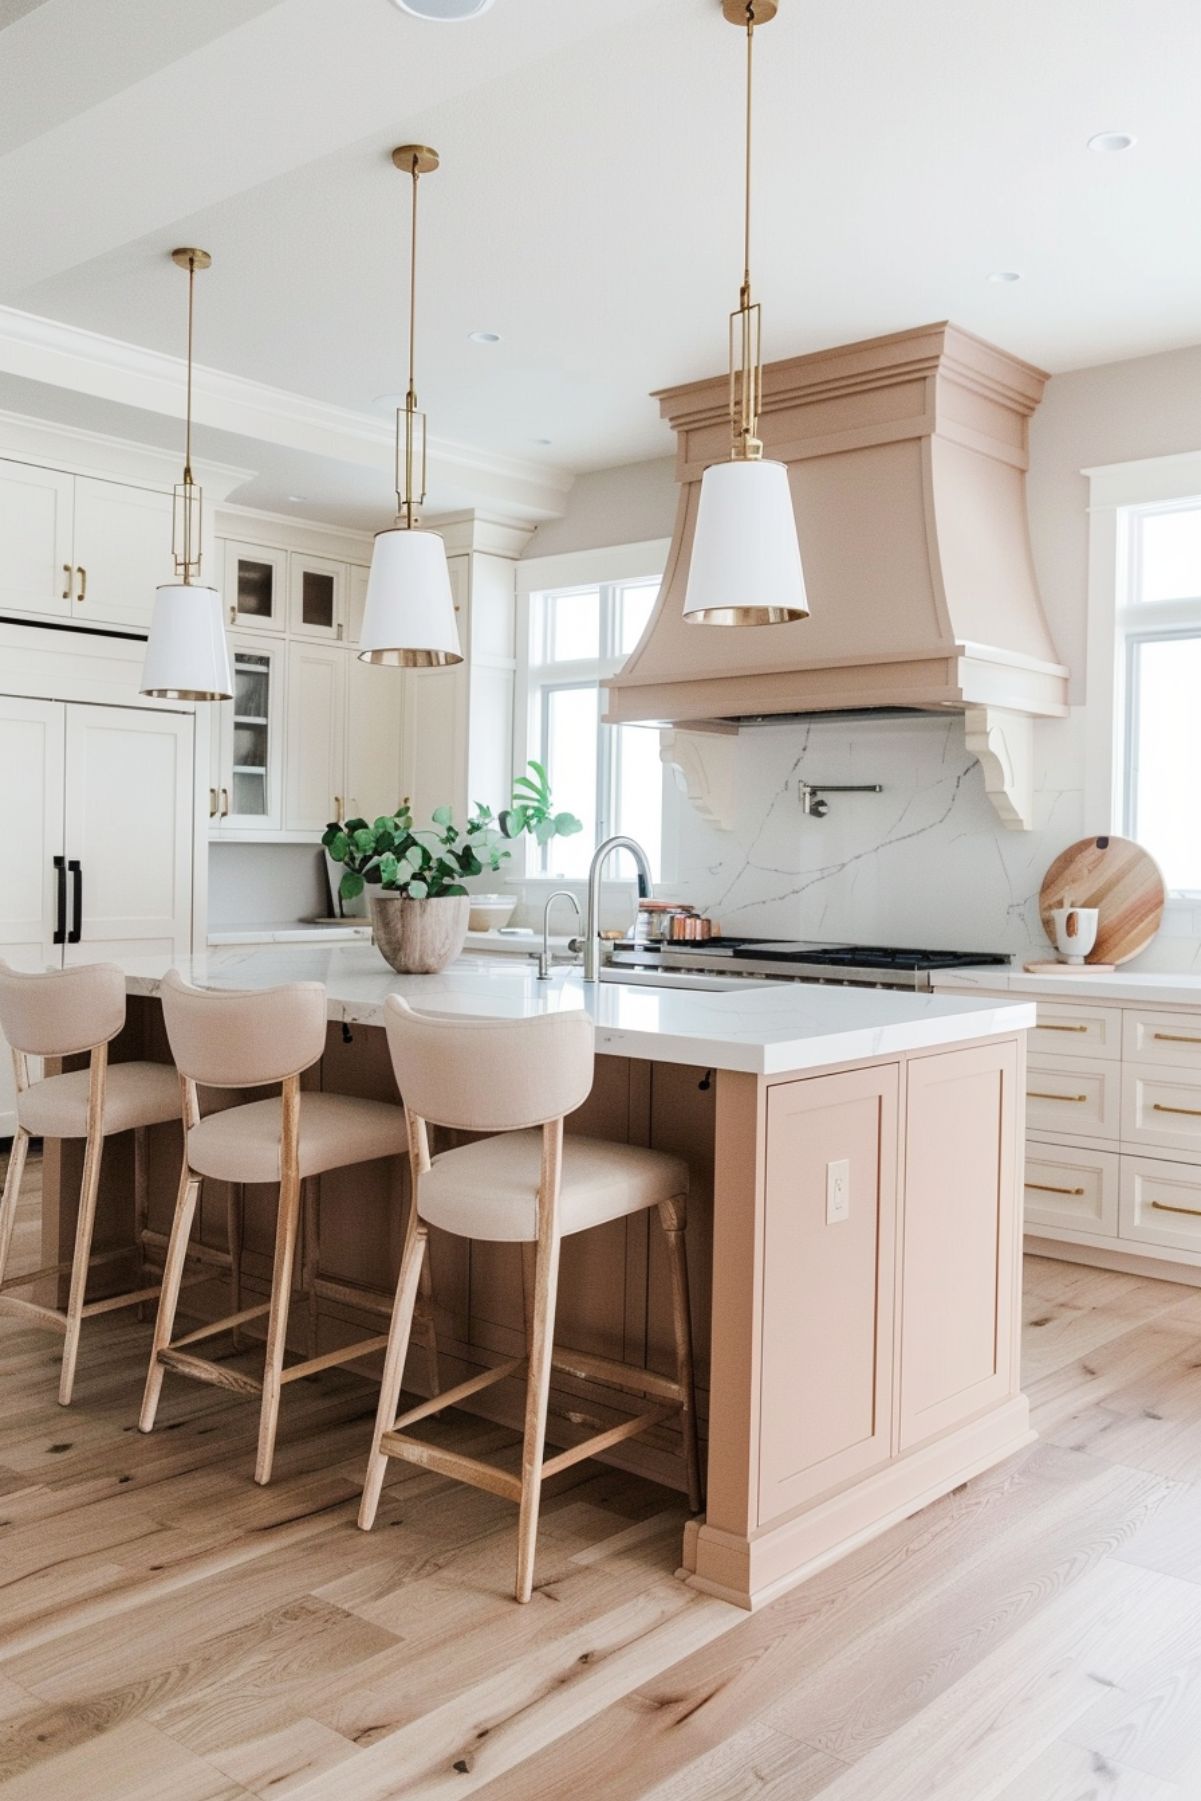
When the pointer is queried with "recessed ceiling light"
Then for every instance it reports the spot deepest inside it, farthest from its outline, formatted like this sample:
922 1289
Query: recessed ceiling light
1005 276
444 12
544 441
1109 142
484 337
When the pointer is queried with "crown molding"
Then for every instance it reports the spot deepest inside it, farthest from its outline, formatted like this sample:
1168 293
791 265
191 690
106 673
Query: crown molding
65 356
109 458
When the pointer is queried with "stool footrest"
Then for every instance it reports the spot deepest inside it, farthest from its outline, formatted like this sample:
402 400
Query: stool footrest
201 1370
589 1447
351 1294
44 1316
451 1397
202 1253
452 1463
221 1325
617 1375
61 1269
328 1359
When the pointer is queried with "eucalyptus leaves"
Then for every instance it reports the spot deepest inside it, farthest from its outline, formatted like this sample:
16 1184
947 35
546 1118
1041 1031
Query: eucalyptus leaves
428 862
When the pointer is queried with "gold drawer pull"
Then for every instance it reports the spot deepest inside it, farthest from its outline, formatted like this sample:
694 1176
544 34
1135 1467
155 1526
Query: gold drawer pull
1050 1188
1193 1112
1163 1207
1049 1026
1038 1094
1175 1038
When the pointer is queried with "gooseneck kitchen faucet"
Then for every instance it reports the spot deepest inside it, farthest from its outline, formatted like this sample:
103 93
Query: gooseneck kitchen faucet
646 889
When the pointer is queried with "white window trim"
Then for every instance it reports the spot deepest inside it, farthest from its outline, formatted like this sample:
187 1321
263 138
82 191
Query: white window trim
1114 487
570 569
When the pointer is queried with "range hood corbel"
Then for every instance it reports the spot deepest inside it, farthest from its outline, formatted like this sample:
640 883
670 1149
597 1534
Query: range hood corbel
907 460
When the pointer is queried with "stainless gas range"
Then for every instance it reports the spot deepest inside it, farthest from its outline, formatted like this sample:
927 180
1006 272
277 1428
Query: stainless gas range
800 960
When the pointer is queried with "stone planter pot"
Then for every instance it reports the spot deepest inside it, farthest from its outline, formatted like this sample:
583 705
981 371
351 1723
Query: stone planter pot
419 937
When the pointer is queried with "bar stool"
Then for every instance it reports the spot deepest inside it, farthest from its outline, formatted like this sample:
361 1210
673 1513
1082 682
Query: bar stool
67 1013
533 1187
234 1039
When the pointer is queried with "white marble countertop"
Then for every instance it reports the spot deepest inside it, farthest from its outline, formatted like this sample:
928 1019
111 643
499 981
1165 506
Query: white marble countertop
293 931
1159 988
765 1028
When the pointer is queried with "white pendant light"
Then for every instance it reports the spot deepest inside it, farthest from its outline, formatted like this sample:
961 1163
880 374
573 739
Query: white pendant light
409 615
187 657
745 567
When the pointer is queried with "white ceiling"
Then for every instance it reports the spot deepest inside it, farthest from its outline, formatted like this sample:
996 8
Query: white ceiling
588 203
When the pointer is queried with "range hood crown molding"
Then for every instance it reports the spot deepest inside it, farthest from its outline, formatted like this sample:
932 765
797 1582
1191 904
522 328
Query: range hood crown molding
907 458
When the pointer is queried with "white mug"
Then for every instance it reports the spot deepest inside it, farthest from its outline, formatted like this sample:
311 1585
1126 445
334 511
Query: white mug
1075 931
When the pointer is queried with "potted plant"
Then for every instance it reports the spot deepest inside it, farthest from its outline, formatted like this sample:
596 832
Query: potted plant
414 875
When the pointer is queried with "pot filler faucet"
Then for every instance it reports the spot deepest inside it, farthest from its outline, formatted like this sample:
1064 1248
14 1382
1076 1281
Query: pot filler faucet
592 920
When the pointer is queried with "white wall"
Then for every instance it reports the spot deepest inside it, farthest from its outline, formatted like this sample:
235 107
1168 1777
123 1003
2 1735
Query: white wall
928 861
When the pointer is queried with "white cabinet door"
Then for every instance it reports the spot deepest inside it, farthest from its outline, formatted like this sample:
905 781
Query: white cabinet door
255 586
315 740
317 597
31 865
357 576
128 832
375 699
122 552
251 729
37 569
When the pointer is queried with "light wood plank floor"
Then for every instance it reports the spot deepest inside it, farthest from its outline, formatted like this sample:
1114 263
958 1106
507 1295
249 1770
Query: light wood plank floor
170 1632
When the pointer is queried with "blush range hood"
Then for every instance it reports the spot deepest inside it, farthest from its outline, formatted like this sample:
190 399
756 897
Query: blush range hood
907 460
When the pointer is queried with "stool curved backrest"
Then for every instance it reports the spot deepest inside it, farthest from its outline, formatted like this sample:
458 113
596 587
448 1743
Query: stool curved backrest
61 1012
243 1037
490 1075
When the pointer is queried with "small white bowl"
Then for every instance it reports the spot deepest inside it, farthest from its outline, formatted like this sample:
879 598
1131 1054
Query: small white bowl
491 911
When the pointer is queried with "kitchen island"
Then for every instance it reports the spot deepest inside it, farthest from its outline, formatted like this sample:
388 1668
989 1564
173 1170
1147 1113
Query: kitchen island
854 1233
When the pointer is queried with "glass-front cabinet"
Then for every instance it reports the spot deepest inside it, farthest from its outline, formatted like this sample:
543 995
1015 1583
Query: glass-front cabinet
317 597
255 589
246 796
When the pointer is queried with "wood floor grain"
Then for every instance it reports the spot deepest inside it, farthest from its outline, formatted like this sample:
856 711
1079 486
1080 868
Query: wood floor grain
171 1632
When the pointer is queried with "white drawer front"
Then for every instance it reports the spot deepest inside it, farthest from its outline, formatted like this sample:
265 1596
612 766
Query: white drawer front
1161 1203
1072 1099
1066 1030
1163 1038
1074 1189
1162 1107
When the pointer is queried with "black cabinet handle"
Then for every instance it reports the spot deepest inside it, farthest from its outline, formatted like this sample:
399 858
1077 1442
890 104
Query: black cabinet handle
76 932
60 900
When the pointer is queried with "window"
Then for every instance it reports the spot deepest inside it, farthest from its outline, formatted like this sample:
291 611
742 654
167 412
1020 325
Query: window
609 776
1159 677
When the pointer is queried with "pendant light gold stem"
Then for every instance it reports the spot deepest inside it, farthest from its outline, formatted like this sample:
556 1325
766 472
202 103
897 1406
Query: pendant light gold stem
186 523
746 371
417 160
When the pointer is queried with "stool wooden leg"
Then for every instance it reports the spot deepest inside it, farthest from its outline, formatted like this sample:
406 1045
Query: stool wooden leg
429 1331
412 1263
234 1209
168 1300
277 1322
141 1211
86 1220
671 1216
311 1259
8 1201
529 1253
542 1344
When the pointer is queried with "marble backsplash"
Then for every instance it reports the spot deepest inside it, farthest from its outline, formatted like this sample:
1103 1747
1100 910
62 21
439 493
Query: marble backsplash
925 863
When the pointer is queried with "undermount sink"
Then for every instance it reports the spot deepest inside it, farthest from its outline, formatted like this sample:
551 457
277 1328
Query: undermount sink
675 978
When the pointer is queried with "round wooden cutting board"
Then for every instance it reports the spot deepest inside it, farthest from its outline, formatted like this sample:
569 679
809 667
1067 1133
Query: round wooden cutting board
1116 876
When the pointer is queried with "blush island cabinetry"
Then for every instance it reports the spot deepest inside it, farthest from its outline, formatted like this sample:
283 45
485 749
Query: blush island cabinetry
853 1238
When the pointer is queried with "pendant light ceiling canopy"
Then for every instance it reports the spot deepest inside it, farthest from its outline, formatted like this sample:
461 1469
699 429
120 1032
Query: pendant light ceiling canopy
746 562
409 614
187 657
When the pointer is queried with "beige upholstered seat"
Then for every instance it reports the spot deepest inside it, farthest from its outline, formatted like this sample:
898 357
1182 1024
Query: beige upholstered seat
135 1094
245 1144
256 1038
531 1187
64 1013
489 1189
